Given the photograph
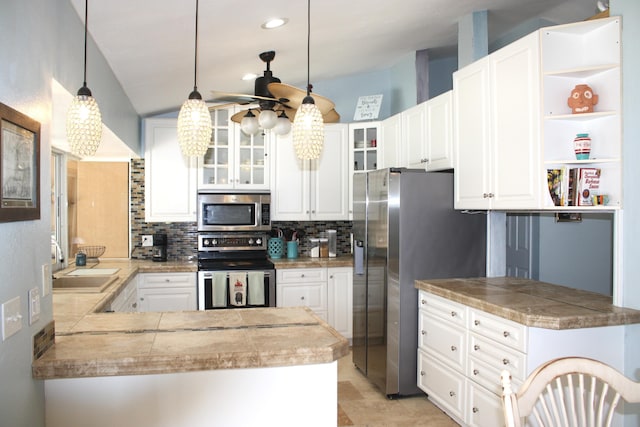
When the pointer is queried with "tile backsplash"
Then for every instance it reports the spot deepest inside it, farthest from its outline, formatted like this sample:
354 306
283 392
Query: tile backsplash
182 236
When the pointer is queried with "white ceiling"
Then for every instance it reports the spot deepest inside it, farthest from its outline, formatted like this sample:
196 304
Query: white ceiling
149 44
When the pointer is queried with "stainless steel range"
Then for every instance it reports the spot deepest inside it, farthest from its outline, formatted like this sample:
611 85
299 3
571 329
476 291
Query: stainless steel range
234 271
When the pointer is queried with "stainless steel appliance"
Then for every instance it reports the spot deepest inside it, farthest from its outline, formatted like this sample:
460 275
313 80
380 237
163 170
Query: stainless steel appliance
234 211
405 228
225 257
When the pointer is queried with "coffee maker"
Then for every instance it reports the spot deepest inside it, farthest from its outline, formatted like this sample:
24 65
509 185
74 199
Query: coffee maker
159 247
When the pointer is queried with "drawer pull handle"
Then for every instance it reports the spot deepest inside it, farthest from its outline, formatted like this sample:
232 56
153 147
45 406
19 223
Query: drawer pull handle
476 372
476 347
454 314
505 361
475 410
422 373
302 275
506 334
302 298
453 348
452 393
423 332
476 322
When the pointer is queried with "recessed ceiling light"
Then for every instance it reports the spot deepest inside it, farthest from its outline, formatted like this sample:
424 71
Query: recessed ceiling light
249 76
274 23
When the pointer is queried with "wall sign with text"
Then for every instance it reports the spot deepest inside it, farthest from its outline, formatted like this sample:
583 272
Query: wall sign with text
368 107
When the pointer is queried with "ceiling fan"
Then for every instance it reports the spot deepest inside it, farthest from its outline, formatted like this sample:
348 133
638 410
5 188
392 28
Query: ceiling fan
275 100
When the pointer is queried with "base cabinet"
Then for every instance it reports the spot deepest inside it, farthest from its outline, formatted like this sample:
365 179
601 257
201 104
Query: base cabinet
463 350
167 291
127 300
326 291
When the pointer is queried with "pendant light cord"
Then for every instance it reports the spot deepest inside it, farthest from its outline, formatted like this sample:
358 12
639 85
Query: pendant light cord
308 46
86 24
195 62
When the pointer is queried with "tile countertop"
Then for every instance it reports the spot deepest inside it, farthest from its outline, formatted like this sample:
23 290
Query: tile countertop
532 303
90 343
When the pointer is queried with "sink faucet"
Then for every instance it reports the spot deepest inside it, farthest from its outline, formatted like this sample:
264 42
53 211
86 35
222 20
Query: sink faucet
56 250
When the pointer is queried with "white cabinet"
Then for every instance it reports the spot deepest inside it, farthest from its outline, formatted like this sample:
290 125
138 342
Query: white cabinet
496 129
234 160
305 287
340 299
421 137
583 53
170 179
326 291
127 299
364 152
315 190
463 350
167 291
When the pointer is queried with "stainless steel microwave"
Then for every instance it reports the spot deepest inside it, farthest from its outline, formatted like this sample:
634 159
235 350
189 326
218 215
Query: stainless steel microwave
234 211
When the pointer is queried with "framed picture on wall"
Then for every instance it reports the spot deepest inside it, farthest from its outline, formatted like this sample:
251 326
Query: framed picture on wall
19 166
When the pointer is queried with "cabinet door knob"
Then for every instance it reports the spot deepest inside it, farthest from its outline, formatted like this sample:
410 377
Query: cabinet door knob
454 314
452 393
476 322
423 302
475 410
302 275
476 347
454 348
505 361
506 334
476 372
422 373
423 332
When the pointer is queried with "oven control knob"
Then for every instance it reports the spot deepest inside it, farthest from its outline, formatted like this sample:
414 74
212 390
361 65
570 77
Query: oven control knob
205 242
214 242
258 241
250 241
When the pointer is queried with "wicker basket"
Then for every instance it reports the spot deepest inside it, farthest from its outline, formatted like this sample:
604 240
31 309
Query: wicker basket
92 251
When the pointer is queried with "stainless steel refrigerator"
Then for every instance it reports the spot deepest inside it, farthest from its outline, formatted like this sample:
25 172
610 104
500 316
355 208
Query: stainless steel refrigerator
405 228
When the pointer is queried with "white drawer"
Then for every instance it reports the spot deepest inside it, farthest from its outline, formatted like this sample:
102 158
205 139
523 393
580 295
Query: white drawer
301 275
158 280
445 387
443 308
313 296
504 331
443 340
484 408
497 356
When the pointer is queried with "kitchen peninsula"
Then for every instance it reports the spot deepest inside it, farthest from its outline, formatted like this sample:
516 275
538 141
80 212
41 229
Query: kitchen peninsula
260 366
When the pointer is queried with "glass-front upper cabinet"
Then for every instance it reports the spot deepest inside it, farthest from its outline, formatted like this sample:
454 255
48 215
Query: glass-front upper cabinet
363 139
234 160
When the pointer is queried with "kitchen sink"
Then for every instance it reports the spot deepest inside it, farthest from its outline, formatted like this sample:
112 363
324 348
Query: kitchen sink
83 283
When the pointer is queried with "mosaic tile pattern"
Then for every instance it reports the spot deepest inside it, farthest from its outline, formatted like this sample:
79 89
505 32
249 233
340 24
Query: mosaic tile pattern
44 339
182 236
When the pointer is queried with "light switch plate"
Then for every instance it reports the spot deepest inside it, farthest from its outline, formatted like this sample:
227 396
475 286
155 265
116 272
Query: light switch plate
34 305
46 279
11 318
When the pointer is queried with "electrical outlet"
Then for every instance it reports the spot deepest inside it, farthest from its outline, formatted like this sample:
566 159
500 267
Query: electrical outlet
46 279
147 240
11 318
34 305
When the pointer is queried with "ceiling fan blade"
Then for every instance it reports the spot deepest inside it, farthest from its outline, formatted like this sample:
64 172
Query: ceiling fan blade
238 97
331 117
296 95
220 106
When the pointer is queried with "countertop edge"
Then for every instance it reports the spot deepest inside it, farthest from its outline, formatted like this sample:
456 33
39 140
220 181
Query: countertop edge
594 319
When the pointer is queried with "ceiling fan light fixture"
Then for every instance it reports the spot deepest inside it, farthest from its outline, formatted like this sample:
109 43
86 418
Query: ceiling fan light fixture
194 119
249 76
274 23
249 124
283 124
84 121
267 119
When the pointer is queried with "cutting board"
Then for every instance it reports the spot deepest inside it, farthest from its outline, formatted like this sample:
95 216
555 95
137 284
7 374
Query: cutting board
93 272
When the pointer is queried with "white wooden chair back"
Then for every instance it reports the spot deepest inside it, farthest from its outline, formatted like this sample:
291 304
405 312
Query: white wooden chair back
567 392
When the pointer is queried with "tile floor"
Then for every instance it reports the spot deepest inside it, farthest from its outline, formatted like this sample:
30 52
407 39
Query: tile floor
361 404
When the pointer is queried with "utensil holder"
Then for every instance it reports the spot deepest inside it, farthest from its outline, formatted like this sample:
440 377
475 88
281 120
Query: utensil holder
292 249
275 247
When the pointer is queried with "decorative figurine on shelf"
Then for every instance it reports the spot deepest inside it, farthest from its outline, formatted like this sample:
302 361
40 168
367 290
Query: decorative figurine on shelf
582 99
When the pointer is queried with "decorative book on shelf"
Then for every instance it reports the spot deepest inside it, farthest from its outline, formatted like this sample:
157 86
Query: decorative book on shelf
575 186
